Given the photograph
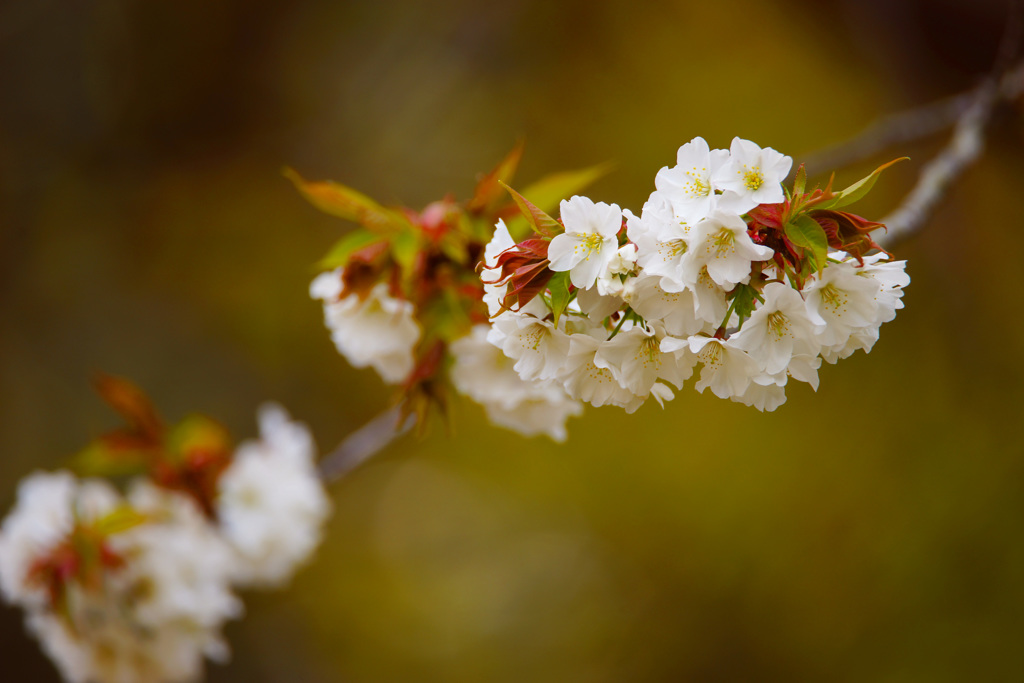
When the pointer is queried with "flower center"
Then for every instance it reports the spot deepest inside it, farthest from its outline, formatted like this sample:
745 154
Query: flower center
672 249
753 178
650 352
590 243
698 186
833 298
533 336
723 242
778 324
711 355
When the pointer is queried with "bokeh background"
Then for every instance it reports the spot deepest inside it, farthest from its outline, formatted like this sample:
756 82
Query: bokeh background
869 532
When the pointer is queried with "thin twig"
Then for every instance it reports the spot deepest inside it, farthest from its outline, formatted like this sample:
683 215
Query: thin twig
968 139
907 126
365 442
1005 82
965 146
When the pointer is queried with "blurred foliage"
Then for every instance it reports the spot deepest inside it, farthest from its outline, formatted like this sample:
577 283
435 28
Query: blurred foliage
869 532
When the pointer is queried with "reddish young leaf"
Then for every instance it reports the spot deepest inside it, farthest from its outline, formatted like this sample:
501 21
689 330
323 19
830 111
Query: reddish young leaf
488 193
132 404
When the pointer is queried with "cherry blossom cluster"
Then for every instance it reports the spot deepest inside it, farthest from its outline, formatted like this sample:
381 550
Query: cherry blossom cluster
401 294
725 268
137 586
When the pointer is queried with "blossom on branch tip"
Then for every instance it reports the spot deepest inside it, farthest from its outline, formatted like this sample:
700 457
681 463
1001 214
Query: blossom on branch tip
272 504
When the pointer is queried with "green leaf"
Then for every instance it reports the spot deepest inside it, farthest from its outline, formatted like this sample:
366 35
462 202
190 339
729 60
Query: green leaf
405 246
560 295
444 318
805 232
547 192
538 220
344 248
453 245
120 519
344 202
800 183
745 297
99 460
859 189
197 432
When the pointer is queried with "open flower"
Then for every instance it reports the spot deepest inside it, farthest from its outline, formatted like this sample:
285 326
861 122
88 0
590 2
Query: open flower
272 503
689 185
840 303
483 373
663 242
778 330
635 358
588 243
378 330
728 370
753 175
722 244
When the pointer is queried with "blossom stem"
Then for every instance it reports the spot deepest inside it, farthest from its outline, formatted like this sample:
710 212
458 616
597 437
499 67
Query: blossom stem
728 314
622 320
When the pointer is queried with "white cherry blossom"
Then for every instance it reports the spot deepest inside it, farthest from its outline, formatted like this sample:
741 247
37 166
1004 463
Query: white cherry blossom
586 380
377 331
689 185
764 393
663 244
493 293
538 348
156 614
589 241
840 302
179 565
892 278
778 329
43 517
272 504
753 175
544 412
709 299
721 243
595 305
677 311
727 369
623 263
636 360
482 372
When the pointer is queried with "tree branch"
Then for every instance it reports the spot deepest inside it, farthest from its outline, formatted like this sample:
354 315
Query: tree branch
364 443
969 113
913 124
963 149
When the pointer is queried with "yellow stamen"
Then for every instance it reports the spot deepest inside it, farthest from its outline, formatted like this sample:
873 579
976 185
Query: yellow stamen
590 243
752 178
778 324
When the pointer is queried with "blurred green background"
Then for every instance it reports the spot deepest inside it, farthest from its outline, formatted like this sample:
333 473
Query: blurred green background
869 532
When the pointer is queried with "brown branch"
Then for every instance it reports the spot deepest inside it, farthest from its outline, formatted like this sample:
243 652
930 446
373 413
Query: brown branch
1005 82
964 148
364 443
969 114
907 126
